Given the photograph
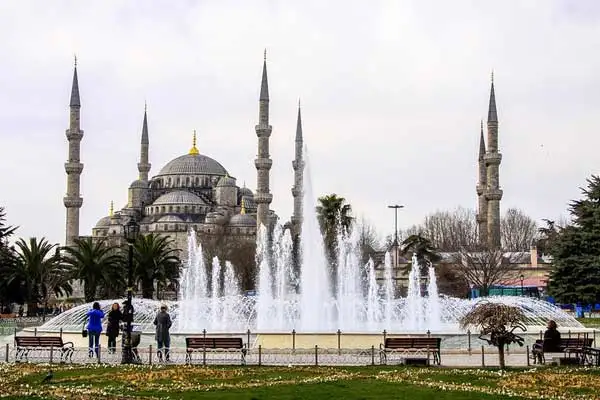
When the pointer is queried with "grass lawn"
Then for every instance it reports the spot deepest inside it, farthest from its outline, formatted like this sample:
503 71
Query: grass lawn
590 322
314 383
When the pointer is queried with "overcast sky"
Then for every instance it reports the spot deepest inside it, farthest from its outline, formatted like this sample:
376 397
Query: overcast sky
392 97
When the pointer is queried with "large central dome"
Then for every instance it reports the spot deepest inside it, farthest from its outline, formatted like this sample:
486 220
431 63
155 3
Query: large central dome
193 164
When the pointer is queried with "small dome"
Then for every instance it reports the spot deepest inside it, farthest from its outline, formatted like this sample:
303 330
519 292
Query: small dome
248 201
138 184
242 220
178 197
193 164
103 222
245 192
226 181
170 218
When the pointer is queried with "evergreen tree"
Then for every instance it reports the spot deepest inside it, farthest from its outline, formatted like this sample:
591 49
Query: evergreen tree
575 275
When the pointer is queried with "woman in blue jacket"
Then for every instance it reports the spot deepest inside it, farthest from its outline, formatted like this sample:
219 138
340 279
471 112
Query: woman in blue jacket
94 328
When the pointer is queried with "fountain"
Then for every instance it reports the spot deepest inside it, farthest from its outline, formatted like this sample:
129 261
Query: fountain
363 299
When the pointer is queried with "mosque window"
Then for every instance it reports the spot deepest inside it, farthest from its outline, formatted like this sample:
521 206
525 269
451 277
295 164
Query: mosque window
185 209
169 182
162 209
197 181
187 181
178 209
170 209
178 181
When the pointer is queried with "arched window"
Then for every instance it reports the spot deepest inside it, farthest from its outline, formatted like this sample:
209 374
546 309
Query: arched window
178 181
187 181
178 209
170 209
169 182
197 181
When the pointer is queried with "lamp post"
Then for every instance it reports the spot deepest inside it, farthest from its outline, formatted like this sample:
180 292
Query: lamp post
396 207
522 279
131 230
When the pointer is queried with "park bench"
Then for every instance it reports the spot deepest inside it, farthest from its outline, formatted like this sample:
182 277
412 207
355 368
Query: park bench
212 344
591 356
567 346
26 344
417 346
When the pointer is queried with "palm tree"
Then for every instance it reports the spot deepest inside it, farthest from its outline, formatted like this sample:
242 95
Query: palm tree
155 260
8 293
39 272
422 248
97 265
497 323
334 214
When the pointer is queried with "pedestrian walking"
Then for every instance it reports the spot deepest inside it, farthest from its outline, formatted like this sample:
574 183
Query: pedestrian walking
94 328
163 339
115 316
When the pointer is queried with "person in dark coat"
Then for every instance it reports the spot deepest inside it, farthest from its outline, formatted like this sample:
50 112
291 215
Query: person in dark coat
550 344
163 339
115 316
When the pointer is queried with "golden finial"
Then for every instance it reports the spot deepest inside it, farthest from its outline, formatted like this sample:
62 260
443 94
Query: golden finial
75 57
194 151
111 211
243 210
265 55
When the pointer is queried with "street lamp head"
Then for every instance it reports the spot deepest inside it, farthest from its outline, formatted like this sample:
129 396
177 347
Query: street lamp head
132 230
395 206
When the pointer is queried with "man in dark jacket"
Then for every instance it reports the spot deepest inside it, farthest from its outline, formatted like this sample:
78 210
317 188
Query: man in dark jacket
163 340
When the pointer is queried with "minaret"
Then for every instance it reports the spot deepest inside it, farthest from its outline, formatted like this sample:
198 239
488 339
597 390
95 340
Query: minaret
144 165
263 162
481 186
298 165
73 166
492 158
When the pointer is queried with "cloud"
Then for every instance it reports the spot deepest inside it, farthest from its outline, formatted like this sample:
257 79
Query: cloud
392 95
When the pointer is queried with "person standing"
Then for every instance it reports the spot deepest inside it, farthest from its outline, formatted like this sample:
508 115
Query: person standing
163 340
115 316
94 328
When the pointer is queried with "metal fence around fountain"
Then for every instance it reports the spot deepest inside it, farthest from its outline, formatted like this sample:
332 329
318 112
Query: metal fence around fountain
255 353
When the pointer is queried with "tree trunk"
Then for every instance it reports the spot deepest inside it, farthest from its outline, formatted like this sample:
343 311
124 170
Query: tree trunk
147 289
501 356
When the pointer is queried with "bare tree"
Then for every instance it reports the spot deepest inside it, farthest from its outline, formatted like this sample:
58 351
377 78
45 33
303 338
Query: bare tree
369 241
485 268
448 230
517 230
239 250
451 282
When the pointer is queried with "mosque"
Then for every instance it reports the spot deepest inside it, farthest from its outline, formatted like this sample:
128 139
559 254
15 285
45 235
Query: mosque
192 191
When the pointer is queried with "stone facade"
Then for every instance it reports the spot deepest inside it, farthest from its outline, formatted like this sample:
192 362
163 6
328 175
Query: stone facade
488 186
192 191
73 166
263 162
298 189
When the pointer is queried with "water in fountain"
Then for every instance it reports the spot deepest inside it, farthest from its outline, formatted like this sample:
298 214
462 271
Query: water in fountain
433 302
414 299
349 289
210 296
389 291
315 289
